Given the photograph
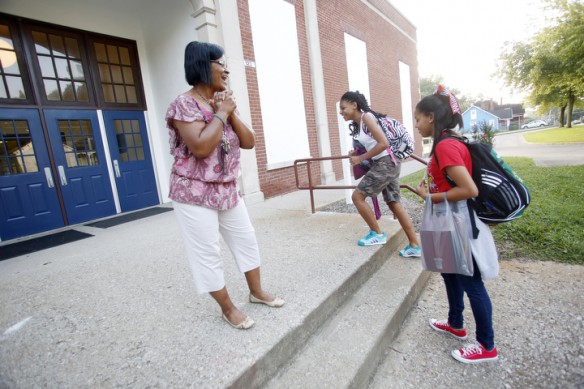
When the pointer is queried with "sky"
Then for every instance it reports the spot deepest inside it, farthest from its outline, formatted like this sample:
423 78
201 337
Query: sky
460 40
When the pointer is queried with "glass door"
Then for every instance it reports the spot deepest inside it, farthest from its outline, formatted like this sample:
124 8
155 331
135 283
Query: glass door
131 159
81 164
29 201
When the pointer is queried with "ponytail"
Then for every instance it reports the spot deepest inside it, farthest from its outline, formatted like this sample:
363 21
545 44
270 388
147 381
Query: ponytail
362 105
446 110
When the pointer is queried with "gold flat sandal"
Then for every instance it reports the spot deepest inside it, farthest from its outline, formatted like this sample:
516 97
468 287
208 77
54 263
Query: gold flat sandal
275 303
244 325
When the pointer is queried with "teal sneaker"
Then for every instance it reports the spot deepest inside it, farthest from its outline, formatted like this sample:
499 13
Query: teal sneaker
410 251
373 238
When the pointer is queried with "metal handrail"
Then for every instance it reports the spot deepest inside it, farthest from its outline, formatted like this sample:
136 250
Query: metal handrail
312 187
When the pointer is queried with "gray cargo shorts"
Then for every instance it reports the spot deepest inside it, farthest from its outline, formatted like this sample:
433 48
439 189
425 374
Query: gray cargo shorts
383 177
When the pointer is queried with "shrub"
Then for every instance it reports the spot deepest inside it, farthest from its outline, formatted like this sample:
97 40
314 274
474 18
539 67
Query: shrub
483 133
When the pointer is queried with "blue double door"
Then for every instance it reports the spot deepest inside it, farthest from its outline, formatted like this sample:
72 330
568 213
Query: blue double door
56 168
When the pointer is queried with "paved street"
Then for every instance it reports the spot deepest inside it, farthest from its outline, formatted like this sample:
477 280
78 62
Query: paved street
513 145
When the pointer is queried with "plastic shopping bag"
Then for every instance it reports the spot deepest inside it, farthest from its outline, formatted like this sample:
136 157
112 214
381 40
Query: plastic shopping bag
445 237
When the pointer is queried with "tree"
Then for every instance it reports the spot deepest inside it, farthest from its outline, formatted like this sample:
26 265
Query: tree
428 86
550 66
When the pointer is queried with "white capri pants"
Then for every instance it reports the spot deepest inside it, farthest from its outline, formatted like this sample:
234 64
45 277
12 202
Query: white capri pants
200 228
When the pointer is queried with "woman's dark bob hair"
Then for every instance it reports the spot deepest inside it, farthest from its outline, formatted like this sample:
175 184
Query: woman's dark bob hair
197 61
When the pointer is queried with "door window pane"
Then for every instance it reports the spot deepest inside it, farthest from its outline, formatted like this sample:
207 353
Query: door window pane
117 75
125 56
82 92
108 94
129 140
62 67
78 143
100 52
41 43
16 148
67 90
131 93
47 67
104 74
52 90
120 94
72 48
15 87
11 84
77 70
57 46
128 76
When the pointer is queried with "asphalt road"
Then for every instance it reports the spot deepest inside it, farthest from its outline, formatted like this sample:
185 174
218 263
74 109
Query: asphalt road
513 144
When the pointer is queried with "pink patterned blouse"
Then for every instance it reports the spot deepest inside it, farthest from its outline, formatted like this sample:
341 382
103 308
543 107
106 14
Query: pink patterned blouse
209 182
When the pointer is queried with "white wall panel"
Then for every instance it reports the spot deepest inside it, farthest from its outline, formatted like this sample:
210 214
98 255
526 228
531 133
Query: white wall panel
275 40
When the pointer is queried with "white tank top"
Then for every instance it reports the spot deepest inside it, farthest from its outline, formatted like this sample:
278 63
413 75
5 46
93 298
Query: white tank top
367 140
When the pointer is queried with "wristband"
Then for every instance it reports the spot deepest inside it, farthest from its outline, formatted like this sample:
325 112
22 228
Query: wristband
219 117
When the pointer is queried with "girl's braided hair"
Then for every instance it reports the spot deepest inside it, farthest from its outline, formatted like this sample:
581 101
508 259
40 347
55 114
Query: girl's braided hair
363 105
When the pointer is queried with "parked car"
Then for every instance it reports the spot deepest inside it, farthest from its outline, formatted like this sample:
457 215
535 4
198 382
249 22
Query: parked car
577 121
534 124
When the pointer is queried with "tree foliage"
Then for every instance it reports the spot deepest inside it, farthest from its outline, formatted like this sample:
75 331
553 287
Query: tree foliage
550 67
428 86
483 132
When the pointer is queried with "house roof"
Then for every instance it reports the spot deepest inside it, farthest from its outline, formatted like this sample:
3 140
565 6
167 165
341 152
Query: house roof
479 108
516 108
505 113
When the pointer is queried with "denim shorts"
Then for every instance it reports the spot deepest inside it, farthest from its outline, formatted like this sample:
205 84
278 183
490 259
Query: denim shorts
383 177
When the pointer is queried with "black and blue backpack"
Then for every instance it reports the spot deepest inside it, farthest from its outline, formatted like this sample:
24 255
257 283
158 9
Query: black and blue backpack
503 196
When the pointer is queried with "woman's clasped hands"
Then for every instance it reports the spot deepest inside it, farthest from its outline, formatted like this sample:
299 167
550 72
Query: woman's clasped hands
224 102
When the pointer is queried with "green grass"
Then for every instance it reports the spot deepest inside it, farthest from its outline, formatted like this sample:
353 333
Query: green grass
552 227
412 180
557 135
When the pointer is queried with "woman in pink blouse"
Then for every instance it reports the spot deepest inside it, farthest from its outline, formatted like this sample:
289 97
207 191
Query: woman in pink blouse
206 134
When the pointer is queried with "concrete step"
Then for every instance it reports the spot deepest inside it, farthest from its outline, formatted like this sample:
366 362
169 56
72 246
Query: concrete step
343 340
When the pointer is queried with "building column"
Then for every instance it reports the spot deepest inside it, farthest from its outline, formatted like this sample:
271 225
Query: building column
205 20
318 90
224 27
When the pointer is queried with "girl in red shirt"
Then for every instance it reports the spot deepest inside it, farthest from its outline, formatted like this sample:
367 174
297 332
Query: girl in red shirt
436 116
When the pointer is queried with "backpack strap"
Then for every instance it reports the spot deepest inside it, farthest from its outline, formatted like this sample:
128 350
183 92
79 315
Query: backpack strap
389 150
469 202
362 128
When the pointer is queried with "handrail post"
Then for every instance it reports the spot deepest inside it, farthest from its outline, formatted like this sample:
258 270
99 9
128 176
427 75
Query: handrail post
310 186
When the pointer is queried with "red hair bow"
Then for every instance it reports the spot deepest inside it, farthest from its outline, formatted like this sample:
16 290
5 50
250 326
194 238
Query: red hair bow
441 90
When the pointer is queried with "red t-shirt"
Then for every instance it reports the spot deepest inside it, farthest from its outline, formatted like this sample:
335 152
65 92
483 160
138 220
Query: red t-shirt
450 152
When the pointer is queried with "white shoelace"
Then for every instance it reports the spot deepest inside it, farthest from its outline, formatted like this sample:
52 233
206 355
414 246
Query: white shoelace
472 349
441 323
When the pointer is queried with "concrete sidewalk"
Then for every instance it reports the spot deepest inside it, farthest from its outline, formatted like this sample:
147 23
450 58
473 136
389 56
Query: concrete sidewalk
119 309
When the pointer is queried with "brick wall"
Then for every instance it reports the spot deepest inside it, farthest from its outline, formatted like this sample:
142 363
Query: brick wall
386 46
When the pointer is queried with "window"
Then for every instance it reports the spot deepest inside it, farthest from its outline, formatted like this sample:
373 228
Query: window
473 114
61 66
78 143
129 139
68 67
14 83
16 148
117 73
